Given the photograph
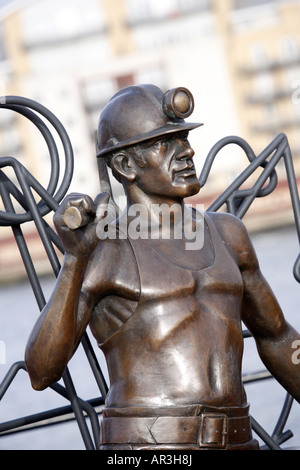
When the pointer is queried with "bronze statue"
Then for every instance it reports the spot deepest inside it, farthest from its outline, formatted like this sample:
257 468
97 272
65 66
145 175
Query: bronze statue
167 318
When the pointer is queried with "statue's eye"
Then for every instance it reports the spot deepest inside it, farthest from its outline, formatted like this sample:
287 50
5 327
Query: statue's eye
160 144
185 136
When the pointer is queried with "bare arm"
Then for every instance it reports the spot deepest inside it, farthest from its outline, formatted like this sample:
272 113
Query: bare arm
67 313
261 312
273 335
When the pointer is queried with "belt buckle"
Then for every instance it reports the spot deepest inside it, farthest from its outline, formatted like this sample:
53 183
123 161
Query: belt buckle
213 430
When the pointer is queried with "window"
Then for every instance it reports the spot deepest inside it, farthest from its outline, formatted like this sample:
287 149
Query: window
97 91
238 4
69 19
258 55
125 80
289 48
139 11
2 45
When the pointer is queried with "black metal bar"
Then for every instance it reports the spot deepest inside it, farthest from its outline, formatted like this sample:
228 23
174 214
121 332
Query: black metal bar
80 405
52 148
25 255
238 201
43 419
266 173
278 430
217 148
295 202
256 376
35 212
9 377
245 174
65 140
99 377
78 411
271 443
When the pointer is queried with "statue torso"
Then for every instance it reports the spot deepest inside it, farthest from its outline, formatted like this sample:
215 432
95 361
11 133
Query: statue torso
180 341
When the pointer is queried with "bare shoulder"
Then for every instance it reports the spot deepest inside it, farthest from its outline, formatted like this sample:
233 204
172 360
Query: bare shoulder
228 225
235 237
111 263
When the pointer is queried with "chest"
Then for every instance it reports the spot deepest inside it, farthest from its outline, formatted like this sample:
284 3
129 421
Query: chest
170 287
168 270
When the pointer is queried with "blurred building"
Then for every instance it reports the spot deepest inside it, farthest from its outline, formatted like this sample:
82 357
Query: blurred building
262 41
240 59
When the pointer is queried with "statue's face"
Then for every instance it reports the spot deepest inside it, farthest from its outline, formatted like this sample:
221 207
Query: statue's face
169 169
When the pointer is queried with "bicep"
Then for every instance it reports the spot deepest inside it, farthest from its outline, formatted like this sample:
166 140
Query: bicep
98 281
261 311
92 288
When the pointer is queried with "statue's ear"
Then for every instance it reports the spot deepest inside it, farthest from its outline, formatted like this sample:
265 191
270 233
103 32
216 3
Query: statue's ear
123 165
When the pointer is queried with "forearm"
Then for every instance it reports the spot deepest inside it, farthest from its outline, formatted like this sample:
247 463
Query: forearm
277 355
52 340
273 335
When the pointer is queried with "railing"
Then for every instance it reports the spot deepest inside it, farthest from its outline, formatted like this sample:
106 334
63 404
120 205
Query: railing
237 201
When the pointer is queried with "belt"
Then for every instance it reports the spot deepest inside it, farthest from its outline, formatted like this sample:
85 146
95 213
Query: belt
211 428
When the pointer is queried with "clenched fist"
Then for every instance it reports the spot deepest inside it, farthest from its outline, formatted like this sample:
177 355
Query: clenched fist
76 220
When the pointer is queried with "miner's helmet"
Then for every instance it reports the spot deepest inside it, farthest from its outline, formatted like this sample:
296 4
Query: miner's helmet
142 112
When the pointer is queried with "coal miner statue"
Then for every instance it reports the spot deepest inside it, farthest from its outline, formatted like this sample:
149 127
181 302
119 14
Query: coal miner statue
165 309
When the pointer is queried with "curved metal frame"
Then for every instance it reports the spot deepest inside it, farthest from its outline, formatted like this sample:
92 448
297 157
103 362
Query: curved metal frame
237 201
36 212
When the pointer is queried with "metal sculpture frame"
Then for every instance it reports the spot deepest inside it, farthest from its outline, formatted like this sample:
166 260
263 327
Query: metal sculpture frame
237 202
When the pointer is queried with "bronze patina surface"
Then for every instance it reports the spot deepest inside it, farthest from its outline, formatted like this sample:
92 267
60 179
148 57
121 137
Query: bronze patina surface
168 318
